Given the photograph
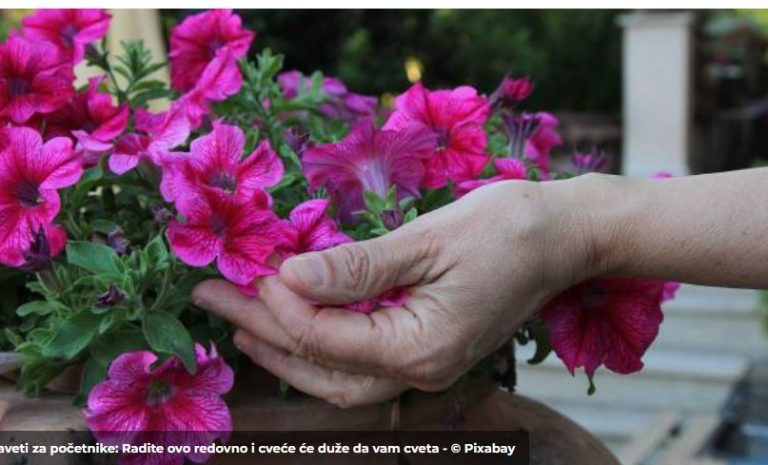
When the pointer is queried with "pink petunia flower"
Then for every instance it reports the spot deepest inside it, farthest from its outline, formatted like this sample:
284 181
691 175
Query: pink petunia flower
506 169
396 297
456 117
165 405
220 79
69 30
342 104
92 119
539 146
605 321
215 163
30 174
34 78
202 37
240 234
315 229
369 160
154 137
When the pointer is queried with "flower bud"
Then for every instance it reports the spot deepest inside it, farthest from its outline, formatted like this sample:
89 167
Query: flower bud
110 298
512 91
594 161
392 218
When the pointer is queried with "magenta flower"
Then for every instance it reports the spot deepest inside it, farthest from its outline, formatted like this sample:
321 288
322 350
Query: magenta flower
30 174
165 406
315 229
202 37
342 104
456 117
69 30
369 160
512 91
396 297
92 119
539 146
506 169
34 78
216 164
220 79
154 137
240 234
610 321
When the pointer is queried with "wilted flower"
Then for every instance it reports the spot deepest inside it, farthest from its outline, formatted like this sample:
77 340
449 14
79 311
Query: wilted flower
512 91
456 118
215 163
539 146
92 119
594 161
506 169
519 127
315 229
369 160
165 405
202 37
240 234
296 140
34 78
30 174
69 30
110 298
39 254
396 297
392 218
610 321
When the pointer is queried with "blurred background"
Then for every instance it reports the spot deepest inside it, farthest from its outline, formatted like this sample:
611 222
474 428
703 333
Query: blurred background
677 91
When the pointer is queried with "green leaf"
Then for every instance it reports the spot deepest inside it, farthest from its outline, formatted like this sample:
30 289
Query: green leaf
96 258
103 226
73 336
166 334
93 373
39 307
540 333
106 348
157 252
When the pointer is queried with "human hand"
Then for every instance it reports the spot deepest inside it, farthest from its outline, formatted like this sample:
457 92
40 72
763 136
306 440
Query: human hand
475 271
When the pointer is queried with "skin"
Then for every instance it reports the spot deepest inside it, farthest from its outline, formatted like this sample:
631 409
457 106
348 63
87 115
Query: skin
479 267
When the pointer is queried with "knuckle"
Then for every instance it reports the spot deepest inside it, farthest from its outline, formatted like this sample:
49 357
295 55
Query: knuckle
355 265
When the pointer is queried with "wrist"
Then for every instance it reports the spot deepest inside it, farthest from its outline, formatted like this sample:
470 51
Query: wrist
600 210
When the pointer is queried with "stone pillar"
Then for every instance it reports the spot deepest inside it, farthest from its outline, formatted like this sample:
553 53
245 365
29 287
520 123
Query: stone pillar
656 92
126 25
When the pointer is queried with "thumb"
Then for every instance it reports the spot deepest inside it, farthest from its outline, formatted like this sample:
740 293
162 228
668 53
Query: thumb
360 270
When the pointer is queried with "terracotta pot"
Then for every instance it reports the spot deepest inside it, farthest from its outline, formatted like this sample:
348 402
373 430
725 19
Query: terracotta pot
480 406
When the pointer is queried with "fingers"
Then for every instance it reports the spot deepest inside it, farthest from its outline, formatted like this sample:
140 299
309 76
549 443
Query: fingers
361 270
226 301
339 338
339 388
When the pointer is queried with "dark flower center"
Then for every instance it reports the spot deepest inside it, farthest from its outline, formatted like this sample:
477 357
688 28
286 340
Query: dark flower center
218 225
68 33
224 181
27 193
443 139
214 45
19 86
89 126
159 391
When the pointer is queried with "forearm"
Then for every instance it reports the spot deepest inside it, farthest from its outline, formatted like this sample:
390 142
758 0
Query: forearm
707 229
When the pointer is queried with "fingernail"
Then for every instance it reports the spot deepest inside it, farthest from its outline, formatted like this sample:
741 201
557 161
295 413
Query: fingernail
308 269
